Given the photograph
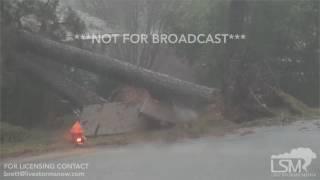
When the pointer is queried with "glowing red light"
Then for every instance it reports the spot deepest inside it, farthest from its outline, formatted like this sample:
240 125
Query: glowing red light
78 140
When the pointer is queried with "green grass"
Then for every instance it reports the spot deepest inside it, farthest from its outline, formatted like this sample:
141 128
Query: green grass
12 134
16 140
296 106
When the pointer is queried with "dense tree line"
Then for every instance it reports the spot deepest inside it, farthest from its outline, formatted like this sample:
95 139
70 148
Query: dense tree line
24 99
281 49
280 52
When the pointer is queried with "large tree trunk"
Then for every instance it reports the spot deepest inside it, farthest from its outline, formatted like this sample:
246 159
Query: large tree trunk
234 90
63 86
245 93
104 65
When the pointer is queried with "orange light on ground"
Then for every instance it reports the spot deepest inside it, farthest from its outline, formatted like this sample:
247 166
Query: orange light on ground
79 140
77 134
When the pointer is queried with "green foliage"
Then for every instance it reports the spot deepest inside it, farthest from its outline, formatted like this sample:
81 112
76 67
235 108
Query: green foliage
295 106
50 19
282 42
73 22
46 17
283 36
202 16
13 134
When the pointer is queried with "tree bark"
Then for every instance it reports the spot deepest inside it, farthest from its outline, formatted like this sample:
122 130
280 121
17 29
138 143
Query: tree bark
70 90
233 90
105 65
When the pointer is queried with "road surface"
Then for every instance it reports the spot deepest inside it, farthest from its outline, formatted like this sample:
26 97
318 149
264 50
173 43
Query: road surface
230 157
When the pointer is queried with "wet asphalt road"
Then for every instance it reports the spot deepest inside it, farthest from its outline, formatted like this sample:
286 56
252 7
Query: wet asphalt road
223 158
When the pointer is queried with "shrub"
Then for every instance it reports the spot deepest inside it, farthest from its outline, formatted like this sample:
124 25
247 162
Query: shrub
11 134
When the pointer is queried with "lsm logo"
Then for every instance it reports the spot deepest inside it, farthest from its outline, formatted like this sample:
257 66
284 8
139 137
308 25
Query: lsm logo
293 164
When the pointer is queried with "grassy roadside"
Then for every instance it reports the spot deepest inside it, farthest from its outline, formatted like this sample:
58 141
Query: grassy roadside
23 142
42 142
16 140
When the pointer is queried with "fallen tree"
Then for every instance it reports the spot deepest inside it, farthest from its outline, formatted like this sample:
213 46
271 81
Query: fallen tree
105 65
55 80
